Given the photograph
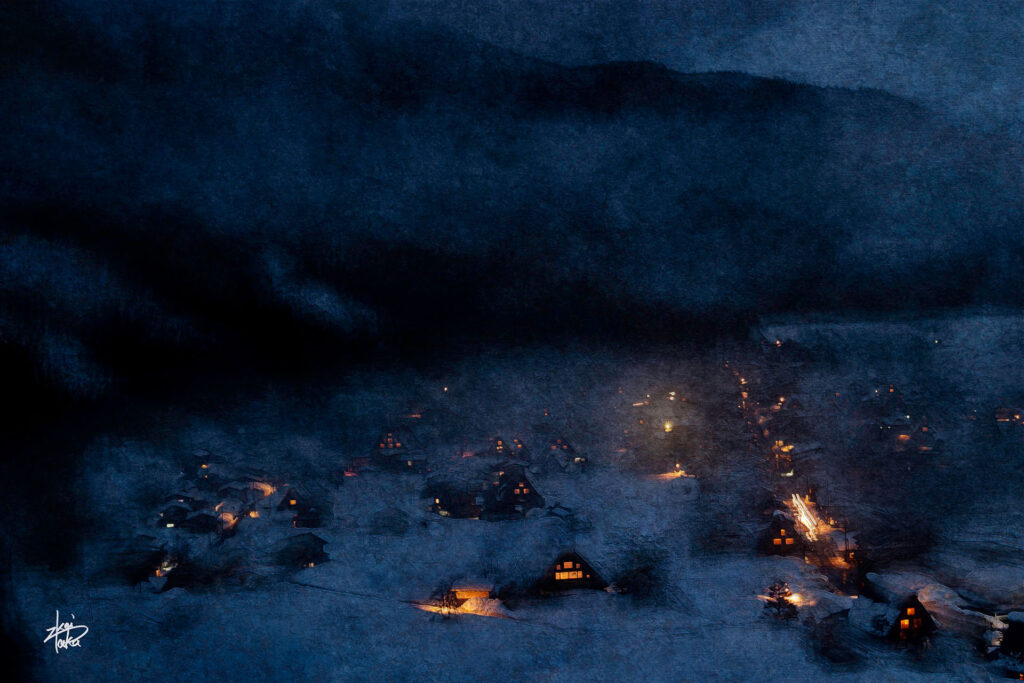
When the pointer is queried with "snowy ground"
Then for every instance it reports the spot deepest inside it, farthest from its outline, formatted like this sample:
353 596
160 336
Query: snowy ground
350 618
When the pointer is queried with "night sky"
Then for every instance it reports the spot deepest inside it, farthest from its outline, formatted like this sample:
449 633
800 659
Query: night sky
214 192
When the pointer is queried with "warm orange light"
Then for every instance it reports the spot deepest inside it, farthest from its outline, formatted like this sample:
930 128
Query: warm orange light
263 487
253 514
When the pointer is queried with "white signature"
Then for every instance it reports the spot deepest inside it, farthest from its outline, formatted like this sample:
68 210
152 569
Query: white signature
66 629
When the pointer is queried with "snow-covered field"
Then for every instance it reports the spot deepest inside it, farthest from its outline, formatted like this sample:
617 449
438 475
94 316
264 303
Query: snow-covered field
352 619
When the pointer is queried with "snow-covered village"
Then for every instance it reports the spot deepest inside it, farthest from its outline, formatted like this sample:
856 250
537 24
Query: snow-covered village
771 501
408 340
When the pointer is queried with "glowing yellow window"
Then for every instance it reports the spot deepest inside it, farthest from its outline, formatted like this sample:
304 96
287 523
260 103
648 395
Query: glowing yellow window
904 623
291 502
777 541
526 490
789 541
910 611
782 532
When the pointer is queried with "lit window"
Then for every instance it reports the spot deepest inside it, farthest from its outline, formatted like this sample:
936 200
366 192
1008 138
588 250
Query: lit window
526 490
904 623
789 541
782 532
777 541
291 502
910 611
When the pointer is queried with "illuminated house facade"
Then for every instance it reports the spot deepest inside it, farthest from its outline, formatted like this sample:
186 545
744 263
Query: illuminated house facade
570 571
512 496
781 537
397 449
302 509
912 623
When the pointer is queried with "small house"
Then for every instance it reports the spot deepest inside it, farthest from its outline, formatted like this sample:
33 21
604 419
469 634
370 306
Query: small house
397 449
570 571
396 440
513 496
173 515
293 499
781 537
301 506
201 522
449 501
466 589
912 623
457 495
300 551
140 561
565 456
